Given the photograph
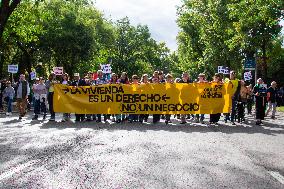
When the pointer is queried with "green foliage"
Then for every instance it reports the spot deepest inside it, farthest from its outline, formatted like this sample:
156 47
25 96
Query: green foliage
75 35
224 32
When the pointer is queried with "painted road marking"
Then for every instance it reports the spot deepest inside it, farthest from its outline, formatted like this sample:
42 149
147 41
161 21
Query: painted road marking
17 169
277 176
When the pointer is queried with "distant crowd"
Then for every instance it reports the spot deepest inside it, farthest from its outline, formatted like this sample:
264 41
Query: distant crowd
39 96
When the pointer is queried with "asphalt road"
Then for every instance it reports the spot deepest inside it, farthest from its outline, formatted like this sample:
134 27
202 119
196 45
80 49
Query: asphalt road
42 154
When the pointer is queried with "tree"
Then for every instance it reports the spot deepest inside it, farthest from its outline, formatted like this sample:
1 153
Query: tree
6 9
224 32
256 26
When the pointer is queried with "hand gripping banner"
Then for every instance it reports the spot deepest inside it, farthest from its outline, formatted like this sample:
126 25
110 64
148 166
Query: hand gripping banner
178 98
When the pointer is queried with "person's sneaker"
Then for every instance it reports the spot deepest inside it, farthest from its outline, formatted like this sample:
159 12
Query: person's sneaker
272 117
233 123
44 117
52 119
35 117
7 113
257 122
202 122
20 117
183 122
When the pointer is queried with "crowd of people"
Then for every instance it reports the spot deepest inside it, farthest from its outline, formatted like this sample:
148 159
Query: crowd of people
39 95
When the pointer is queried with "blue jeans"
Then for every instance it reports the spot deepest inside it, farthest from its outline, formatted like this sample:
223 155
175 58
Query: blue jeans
10 101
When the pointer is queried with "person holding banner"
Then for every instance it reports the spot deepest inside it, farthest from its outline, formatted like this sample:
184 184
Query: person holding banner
242 102
235 84
50 89
123 80
214 118
100 81
144 117
169 79
201 79
78 82
155 79
271 98
39 93
185 79
134 117
65 81
259 91
114 80
23 91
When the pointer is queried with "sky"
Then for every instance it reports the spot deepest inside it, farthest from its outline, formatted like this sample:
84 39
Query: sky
158 15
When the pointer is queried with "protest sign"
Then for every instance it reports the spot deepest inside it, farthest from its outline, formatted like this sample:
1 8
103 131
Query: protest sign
223 70
175 98
58 70
106 68
33 75
13 69
247 76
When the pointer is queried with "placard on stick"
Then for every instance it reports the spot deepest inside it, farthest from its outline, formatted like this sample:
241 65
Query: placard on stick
58 70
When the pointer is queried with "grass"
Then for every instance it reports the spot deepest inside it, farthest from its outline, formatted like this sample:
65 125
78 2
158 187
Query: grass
280 109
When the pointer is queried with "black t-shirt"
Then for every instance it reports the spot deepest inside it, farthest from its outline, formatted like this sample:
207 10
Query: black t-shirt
273 93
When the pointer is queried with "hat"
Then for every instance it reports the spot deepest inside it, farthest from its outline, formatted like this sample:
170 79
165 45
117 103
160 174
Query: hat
169 76
201 75
76 74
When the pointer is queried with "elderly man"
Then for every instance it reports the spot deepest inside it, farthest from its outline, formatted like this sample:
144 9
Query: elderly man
23 91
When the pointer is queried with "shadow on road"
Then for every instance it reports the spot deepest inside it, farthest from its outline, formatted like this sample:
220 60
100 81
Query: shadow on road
248 127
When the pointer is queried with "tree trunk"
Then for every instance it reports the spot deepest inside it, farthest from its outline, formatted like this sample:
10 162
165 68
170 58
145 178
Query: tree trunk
6 9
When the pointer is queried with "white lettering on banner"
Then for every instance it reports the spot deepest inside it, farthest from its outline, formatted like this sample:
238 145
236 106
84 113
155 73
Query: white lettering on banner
58 70
13 68
247 76
106 68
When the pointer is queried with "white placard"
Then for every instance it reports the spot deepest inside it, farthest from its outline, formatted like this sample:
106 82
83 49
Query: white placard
13 68
33 75
58 70
247 76
223 70
106 68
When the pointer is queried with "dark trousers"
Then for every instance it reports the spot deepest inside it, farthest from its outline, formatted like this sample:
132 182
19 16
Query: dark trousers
143 117
260 104
156 118
234 110
79 117
241 110
1 103
249 105
50 102
214 118
39 107
133 117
